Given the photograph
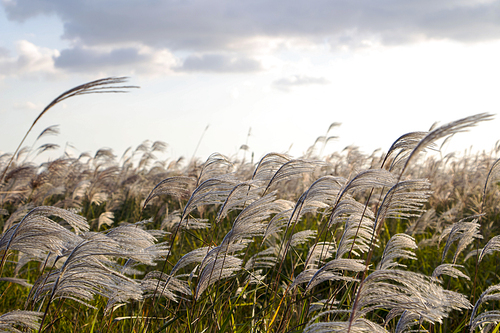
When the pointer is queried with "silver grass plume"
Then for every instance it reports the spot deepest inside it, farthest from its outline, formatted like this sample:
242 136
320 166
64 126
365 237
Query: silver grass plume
292 169
490 294
321 305
357 235
269 165
249 222
191 224
263 259
138 244
464 232
302 237
215 166
320 195
21 282
403 147
446 130
106 218
211 192
219 263
450 270
17 215
220 268
242 194
51 130
323 251
368 179
174 186
418 226
488 317
332 271
167 284
36 232
492 173
404 290
25 319
395 248
347 208
195 256
475 252
407 320
280 220
84 274
493 245
38 235
404 200
360 325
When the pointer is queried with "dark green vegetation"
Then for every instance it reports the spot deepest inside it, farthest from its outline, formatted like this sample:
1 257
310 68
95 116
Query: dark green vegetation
398 241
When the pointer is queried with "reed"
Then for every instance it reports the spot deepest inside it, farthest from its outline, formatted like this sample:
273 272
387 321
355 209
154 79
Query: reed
347 242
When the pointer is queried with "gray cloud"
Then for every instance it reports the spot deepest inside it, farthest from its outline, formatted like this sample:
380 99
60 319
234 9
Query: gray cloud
220 63
79 59
4 53
298 80
203 26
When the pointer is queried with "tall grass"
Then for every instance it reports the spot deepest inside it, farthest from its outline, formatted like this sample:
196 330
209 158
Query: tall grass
391 242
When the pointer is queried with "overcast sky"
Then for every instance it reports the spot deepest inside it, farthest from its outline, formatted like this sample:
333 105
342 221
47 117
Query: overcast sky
270 74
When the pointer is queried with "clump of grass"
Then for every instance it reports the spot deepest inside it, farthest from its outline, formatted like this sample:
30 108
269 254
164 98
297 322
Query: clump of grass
401 241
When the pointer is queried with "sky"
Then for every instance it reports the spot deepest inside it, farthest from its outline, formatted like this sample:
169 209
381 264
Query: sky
215 75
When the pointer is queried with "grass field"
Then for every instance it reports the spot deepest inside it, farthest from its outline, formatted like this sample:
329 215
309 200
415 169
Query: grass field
402 241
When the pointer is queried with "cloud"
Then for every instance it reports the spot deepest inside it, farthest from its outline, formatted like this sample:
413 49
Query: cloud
219 63
30 60
285 84
79 59
141 60
215 25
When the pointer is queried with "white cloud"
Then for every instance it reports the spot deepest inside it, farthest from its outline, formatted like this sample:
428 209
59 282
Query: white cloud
126 60
30 60
215 25
221 63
